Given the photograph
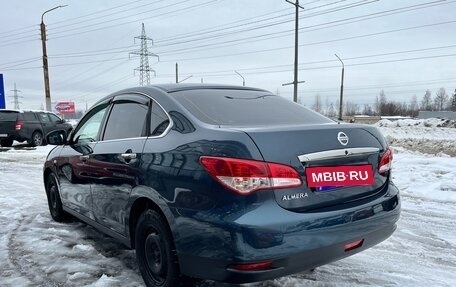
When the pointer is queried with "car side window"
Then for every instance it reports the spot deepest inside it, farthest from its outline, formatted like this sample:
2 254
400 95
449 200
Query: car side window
87 130
159 121
44 118
54 118
126 120
29 116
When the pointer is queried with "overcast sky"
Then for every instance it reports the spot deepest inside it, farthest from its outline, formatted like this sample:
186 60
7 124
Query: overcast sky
403 47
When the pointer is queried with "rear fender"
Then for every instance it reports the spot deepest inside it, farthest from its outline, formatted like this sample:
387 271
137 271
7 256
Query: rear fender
140 194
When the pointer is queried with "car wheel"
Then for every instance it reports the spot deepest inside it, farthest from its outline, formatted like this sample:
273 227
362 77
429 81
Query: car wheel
54 201
37 139
6 142
155 251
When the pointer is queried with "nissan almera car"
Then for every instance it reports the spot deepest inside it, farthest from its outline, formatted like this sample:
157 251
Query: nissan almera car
232 184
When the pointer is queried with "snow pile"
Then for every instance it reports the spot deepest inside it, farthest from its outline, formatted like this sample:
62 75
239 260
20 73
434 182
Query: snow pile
432 122
431 136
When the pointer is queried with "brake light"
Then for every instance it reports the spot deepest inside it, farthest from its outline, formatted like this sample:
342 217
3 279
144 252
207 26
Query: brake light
19 125
246 176
386 161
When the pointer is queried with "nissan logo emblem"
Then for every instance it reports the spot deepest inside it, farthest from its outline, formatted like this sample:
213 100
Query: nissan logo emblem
342 138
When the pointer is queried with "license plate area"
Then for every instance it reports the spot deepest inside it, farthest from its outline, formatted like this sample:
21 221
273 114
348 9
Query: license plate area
326 178
3 135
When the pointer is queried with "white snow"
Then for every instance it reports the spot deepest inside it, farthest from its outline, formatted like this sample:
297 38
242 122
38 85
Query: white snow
36 251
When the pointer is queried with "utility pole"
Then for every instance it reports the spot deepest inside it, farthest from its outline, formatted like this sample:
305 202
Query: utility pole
243 80
16 97
47 89
295 81
144 69
341 89
177 73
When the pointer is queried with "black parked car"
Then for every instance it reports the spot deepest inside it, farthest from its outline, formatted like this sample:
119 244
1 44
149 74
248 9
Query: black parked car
30 126
226 183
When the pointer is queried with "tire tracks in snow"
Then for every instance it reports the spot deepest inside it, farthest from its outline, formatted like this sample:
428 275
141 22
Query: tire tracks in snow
21 259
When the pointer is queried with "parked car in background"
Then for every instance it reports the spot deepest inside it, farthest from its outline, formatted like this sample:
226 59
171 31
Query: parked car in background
30 126
227 183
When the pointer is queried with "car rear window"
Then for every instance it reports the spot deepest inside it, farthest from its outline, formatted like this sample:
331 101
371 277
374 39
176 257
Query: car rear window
8 115
245 108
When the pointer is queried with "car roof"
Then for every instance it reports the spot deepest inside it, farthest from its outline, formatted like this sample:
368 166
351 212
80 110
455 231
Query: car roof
22 111
171 88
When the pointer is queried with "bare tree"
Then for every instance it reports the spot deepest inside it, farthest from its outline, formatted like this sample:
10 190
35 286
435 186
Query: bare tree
317 106
331 111
453 102
367 110
426 102
381 103
440 99
351 108
413 107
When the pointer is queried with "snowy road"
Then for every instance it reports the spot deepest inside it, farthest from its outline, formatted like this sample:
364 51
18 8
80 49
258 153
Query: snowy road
35 251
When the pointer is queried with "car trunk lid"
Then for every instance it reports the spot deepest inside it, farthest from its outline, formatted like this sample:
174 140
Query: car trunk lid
323 155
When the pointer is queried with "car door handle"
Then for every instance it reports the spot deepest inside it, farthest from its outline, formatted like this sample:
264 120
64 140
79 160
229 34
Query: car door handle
128 156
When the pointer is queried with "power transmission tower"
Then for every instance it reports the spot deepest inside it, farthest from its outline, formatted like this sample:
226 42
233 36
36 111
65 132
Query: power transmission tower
16 97
144 69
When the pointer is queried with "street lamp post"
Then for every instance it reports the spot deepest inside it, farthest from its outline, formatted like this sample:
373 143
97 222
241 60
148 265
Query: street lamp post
47 89
341 89
243 80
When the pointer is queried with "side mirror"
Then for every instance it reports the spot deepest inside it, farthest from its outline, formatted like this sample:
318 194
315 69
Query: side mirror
56 138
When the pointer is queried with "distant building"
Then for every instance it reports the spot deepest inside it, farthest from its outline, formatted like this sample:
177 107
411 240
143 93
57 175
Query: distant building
439 115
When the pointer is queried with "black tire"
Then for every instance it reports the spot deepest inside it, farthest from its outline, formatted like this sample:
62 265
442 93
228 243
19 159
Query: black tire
37 139
155 251
54 201
6 142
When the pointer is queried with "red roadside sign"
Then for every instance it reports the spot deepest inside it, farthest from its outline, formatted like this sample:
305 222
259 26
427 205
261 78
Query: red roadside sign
65 108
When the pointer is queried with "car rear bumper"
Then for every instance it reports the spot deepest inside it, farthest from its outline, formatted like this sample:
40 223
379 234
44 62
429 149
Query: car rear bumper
294 242
14 135
219 270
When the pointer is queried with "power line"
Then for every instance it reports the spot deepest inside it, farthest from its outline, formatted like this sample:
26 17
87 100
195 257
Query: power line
268 25
314 43
65 33
249 39
351 5
238 23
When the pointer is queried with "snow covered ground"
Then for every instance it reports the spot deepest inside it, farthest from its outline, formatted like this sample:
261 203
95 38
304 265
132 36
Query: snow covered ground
35 251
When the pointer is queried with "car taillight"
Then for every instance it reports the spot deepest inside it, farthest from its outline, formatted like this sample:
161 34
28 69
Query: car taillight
386 161
19 125
246 176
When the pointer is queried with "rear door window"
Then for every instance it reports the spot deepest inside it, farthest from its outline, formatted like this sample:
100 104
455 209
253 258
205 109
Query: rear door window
159 121
126 120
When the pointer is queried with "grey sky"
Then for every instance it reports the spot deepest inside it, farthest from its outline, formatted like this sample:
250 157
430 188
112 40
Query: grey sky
404 51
